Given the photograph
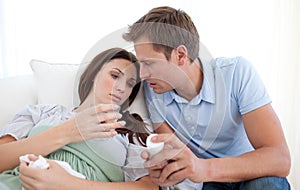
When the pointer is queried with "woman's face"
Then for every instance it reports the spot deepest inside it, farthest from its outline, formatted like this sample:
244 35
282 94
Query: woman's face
114 82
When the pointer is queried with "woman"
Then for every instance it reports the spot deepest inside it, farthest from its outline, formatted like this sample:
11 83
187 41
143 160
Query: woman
110 82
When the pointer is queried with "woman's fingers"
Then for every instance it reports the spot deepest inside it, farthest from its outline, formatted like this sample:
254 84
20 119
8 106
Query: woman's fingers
103 113
104 127
26 171
38 179
100 130
99 121
102 108
32 157
108 117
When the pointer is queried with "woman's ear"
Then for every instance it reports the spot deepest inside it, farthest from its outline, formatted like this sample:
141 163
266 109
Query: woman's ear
181 54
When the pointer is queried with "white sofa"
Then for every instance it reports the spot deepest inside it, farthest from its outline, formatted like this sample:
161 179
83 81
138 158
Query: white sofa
16 92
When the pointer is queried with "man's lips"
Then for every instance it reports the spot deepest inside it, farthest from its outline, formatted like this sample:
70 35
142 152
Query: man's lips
151 84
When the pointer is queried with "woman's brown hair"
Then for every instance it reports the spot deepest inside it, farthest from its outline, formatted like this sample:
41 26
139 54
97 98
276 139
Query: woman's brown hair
135 127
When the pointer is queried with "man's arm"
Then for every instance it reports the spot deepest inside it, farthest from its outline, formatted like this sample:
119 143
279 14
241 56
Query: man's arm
162 128
270 157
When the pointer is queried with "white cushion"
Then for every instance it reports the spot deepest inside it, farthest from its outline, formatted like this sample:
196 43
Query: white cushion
55 82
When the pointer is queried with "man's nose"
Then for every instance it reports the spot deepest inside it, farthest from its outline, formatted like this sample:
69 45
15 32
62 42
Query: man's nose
144 72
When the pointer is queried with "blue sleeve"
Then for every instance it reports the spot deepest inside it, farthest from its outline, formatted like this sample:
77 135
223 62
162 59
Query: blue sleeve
249 90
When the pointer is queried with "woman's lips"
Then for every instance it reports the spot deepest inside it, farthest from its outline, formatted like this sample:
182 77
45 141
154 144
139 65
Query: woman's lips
115 98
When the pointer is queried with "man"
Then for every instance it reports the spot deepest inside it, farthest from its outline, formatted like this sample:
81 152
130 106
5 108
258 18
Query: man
230 136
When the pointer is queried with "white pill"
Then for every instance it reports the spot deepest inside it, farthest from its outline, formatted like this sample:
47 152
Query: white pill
153 147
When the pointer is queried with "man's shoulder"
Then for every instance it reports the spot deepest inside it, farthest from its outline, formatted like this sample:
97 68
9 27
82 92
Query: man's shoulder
228 61
236 64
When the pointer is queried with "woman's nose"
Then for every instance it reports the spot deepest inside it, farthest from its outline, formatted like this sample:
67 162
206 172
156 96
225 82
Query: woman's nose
120 86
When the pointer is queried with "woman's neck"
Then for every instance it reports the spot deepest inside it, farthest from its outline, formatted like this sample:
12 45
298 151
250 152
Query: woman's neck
87 103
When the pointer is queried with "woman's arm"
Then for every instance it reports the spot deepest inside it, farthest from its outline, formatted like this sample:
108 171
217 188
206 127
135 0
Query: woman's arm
84 126
142 184
41 144
57 178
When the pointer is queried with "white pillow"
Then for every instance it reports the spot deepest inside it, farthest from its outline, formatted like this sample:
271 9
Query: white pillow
55 82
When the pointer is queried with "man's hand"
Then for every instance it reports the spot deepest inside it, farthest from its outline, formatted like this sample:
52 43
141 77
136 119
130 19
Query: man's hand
174 163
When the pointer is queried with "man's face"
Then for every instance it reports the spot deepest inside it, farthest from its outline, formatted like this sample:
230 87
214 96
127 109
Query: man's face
155 68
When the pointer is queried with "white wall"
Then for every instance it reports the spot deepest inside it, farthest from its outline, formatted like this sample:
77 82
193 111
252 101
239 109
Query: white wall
63 31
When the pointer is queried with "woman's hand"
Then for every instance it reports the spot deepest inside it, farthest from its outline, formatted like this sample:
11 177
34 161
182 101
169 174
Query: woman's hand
55 177
95 122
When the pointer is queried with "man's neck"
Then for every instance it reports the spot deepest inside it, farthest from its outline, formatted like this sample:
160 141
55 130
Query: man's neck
194 74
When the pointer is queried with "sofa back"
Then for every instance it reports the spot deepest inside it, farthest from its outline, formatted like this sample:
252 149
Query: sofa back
16 92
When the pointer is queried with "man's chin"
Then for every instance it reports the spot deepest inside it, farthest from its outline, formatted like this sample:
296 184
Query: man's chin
158 91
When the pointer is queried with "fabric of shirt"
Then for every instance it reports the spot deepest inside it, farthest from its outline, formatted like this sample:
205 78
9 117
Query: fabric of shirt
125 154
211 123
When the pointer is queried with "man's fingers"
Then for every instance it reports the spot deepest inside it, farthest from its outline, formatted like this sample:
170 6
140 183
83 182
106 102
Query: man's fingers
169 139
155 165
170 169
145 155
169 175
155 174
177 176
165 155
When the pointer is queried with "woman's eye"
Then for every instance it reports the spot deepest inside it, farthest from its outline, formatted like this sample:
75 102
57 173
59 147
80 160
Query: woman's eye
114 76
130 84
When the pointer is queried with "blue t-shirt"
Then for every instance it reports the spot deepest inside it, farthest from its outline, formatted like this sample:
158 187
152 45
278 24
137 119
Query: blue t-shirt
211 123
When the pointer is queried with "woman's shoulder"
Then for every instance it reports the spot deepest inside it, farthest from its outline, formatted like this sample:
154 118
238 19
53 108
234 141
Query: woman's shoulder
43 108
40 112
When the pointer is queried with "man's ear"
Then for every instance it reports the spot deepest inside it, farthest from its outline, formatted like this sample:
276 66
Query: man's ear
181 54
